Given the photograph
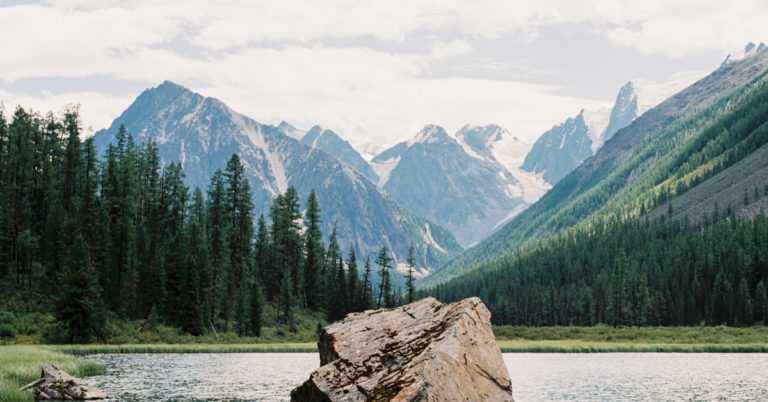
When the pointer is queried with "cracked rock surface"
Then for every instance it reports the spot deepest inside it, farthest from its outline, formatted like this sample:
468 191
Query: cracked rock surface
56 384
424 351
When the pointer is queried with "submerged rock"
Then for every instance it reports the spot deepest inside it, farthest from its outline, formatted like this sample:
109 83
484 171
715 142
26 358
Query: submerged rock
424 351
56 384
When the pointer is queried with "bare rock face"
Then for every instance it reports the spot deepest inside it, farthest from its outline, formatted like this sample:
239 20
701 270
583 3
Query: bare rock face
424 351
55 384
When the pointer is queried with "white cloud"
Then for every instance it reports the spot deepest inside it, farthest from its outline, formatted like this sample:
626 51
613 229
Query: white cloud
442 50
266 58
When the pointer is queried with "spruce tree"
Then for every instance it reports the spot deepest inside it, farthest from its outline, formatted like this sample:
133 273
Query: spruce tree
383 260
353 281
366 291
287 298
255 321
313 239
409 278
76 306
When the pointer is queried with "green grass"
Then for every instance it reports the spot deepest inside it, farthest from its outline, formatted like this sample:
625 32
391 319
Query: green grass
188 348
20 365
567 346
719 335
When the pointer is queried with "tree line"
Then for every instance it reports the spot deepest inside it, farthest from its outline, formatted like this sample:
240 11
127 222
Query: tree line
630 273
90 238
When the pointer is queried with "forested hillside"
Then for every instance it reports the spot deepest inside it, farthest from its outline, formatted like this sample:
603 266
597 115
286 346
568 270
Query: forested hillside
86 240
636 273
636 261
614 179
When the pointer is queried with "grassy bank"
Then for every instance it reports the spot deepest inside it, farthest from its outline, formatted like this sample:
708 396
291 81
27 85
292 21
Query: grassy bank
565 346
188 348
720 335
20 365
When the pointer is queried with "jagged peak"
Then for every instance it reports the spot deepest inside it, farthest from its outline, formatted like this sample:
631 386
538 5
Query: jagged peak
748 50
429 134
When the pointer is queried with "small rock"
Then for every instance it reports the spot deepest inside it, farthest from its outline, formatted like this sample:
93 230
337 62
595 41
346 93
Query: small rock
56 384
424 351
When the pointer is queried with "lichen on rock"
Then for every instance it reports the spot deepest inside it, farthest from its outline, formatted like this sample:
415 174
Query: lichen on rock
423 351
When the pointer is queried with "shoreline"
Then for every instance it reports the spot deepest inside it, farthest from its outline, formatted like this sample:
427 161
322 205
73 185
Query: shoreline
506 346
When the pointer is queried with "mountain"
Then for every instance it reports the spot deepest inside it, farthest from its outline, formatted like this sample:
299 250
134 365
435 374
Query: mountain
616 172
468 182
369 150
291 131
675 234
561 149
202 134
748 50
330 142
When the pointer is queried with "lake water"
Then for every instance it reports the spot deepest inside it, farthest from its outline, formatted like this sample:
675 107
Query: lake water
535 377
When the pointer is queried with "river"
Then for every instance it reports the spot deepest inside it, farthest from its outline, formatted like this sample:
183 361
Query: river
535 377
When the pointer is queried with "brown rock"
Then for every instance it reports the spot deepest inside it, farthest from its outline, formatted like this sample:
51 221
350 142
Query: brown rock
424 351
56 384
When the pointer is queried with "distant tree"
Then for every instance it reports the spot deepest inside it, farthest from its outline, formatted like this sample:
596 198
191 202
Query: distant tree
409 277
366 298
383 260
353 281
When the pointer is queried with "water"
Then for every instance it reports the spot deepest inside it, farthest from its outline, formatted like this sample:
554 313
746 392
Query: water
535 376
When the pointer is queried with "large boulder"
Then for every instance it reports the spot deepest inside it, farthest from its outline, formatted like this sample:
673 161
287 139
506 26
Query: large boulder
56 384
424 351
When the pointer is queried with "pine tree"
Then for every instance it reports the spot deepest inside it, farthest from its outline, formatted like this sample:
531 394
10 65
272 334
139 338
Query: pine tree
383 260
256 310
77 307
366 291
353 281
242 315
287 298
409 278
761 303
313 239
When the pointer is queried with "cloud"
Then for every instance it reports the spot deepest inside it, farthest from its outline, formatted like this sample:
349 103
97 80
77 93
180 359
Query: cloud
441 50
270 60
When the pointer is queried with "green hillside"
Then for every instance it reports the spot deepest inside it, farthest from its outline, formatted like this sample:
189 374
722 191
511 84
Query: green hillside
635 260
627 165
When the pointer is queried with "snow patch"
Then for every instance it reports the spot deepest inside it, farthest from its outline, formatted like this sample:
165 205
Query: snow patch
418 272
383 169
183 154
650 94
597 123
257 139
430 239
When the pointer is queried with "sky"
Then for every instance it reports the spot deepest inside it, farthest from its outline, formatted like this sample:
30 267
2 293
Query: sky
372 71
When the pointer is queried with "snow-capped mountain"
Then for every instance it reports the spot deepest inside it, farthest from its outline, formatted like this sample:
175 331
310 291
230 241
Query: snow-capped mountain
748 50
203 133
469 182
330 142
369 150
561 149
291 131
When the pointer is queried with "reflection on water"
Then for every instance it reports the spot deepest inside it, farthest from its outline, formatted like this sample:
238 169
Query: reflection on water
535 376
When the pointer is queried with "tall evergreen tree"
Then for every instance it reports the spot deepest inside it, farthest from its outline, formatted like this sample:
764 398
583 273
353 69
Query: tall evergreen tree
77 307
383 260
409 277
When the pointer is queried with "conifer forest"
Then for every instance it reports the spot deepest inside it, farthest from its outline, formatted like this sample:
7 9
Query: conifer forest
88 238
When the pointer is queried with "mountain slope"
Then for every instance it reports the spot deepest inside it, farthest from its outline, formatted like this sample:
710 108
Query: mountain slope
458 180
330 142
618 164
561 149
202 134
